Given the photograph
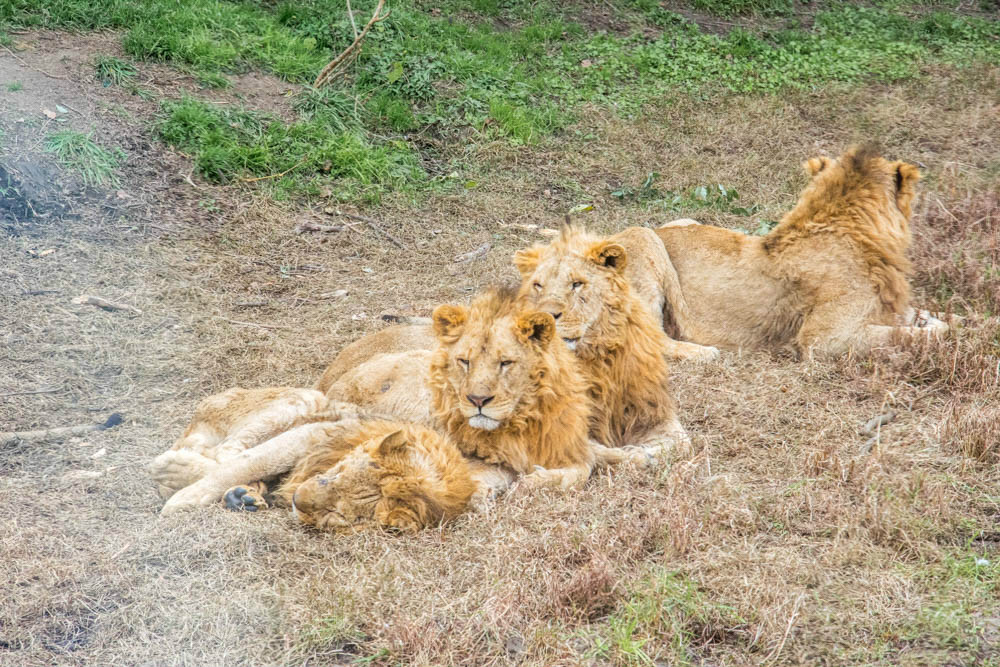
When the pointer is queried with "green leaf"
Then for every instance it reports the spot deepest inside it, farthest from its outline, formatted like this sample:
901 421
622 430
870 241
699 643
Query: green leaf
395 73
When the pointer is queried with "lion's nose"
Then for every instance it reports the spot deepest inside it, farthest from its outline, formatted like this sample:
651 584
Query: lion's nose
479 401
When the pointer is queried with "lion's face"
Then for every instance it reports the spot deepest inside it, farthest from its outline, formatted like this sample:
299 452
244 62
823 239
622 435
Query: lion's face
572 279
342 499
491 360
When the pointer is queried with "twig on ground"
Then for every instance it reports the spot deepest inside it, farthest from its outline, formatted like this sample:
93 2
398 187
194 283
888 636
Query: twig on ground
253 324
252 304
376 226
791 621
473 254
40 71
59 433
105 304
49 390
264 178
313 227
348 55
877 422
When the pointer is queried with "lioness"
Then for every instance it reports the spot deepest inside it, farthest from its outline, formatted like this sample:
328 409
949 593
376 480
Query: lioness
581 280
830 277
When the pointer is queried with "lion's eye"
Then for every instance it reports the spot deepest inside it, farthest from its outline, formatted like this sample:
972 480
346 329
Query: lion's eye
505 363
464 363
538 287
577 284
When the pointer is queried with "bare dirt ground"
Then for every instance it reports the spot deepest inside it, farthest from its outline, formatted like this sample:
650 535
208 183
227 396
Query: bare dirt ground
784 537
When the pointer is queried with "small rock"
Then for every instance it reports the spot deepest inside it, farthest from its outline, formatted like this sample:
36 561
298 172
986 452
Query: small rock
99 453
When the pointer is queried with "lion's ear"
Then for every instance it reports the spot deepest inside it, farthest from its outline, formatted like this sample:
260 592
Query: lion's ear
526 260
608 254
535 327
393 443
815 165
906 176
449 321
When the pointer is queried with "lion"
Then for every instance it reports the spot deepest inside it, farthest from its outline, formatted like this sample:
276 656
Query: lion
580 280
829 278
349 472
227 424
499 384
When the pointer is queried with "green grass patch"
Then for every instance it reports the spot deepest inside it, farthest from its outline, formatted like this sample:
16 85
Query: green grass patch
14 86
662 620
231 143
114 71
515 70
78 152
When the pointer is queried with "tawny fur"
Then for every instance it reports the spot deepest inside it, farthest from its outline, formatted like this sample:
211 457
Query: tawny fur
548 426
539 401
581 279
390 339
226 424
384 473
830 277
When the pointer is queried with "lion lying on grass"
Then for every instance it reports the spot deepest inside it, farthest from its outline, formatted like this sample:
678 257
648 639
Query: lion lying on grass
581 280
500 389
830 277
348 472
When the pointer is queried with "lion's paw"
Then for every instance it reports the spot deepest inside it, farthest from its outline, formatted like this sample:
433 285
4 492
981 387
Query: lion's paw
644 457
177 469
707 353
244 499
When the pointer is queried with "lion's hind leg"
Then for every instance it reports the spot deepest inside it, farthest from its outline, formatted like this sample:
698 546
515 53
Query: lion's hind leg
175 469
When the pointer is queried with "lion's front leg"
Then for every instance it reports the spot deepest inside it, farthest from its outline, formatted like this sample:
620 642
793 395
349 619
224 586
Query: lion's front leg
564 478
678 350
491 481
175 469
663 439
274 457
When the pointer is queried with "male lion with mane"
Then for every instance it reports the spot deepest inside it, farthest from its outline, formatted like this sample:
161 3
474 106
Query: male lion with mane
349 472
581 280
830 277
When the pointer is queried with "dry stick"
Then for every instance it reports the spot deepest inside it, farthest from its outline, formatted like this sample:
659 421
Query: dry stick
60 433
105 304
253 324
313 227
374 225
264 178
351 51
791 621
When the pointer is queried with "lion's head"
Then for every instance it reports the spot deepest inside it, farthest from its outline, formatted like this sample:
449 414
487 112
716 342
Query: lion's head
490 354
403 477
861 173
867 198
504 386
579 279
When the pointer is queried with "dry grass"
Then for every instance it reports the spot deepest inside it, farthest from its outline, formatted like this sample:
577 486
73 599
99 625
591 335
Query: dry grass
784 536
